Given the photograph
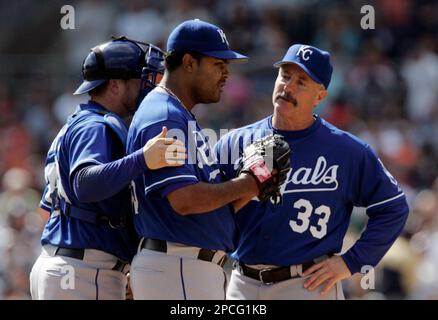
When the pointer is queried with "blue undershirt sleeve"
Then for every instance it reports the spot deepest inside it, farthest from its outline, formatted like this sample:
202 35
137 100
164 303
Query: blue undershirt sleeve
98 182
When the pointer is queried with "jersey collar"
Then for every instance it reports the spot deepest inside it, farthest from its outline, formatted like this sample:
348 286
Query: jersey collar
92 105
298 133
176 101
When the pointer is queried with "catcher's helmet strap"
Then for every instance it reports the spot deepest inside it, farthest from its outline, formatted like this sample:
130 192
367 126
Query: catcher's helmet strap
102 72
91 75
99 58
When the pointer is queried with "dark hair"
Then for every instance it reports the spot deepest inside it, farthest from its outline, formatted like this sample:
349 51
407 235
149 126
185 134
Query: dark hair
98 90
173 59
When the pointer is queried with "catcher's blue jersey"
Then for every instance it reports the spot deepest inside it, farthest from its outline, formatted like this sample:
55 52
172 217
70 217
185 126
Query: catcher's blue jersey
155 218
331 171
85 140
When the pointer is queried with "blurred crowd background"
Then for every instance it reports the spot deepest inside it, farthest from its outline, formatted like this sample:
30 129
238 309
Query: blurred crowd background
384 89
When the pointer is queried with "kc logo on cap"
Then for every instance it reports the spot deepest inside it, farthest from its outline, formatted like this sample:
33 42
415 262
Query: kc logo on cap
304 51
203 37
315 62
223 36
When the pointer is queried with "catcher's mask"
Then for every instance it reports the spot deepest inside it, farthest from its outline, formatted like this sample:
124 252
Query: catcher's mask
122 58
154 65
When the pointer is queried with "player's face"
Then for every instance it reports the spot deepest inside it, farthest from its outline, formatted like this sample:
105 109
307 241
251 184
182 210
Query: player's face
294 89
129 95
210 79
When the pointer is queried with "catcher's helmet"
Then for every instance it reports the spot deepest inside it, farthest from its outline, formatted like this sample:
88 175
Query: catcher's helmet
121 58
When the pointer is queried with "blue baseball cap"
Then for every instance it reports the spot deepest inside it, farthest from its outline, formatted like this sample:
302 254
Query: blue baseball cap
203 37
315 62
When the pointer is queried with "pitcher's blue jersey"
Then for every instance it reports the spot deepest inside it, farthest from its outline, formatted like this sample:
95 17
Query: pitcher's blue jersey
85 140
332 171
155 218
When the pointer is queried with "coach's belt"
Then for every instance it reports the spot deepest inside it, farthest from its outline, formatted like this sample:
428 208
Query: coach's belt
214 256
276 274
80 253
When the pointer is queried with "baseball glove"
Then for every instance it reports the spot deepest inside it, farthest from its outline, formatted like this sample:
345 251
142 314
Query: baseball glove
268 161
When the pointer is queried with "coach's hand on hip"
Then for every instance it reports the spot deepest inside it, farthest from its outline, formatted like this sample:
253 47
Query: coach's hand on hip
327 272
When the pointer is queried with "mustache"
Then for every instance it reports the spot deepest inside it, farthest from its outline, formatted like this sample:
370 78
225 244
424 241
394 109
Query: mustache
287 97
